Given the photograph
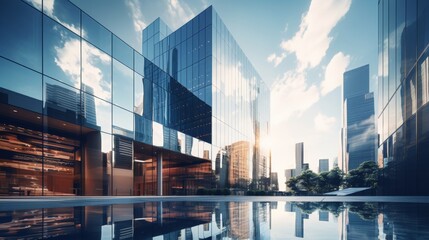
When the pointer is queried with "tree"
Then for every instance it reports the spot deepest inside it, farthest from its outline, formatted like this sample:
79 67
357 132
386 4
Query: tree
292 184
330 181
366 175
308 182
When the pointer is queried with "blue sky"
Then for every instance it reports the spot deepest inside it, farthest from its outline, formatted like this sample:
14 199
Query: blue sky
299 47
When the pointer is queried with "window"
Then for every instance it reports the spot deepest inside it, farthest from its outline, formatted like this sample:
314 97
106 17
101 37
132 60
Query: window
96 71
96 34
61 53
21 44
122 86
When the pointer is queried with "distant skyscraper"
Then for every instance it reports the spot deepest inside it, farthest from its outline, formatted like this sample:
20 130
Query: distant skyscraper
274 181
335 163
289 173
358 132
299 158
323 216
305 167
323 165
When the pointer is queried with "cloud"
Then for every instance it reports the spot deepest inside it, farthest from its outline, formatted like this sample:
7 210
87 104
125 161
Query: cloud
334 72
292 95
49 9
312 40
137 16
276 59
179 12
323 123
366 133
95 64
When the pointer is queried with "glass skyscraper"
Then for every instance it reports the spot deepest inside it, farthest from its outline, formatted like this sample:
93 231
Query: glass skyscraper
403 112
358 133
82 113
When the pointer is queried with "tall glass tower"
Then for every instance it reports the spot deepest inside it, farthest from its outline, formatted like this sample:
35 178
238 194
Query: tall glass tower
83 113
359 136
207 61
403 116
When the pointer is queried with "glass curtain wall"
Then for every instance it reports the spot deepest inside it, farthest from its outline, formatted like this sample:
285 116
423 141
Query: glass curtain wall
403 91
76 104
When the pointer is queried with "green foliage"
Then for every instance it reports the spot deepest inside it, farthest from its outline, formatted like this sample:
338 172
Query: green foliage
292 184
310 183
330 181
366 175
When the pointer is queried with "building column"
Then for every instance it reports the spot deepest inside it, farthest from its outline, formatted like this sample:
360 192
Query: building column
159 172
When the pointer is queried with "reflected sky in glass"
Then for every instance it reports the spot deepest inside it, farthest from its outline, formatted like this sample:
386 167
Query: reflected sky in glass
222 220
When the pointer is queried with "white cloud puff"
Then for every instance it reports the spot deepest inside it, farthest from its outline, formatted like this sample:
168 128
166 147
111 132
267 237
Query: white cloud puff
292 95
323 123
312 40
334 72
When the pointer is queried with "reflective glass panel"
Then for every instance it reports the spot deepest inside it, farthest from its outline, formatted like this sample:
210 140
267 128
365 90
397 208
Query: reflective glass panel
143 129
423 25
123 122
20 41
158 134
61 101
410 94
61 53
96 72
98 163
20 86
96 34
138 94
122 52
96 113
62 157
36 3
122 86
423 80
139 63
21 148
63 12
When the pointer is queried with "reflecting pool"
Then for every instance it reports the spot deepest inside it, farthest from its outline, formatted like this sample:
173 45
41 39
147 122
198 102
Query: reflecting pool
221 220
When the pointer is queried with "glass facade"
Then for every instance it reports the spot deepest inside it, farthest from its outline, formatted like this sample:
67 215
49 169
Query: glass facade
403 96
207 62
82 113
359 134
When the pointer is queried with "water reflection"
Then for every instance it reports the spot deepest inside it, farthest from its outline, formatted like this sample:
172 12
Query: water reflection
220 220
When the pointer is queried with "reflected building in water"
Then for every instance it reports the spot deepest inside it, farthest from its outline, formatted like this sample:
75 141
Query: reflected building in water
150 220
82 113
403 96
299 218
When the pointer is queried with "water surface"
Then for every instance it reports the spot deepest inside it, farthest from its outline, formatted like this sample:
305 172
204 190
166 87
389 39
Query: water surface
221 220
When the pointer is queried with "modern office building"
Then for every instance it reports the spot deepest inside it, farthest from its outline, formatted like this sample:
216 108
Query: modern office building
289 173
299 158
358 131
403 90
323 165
274 181
82 113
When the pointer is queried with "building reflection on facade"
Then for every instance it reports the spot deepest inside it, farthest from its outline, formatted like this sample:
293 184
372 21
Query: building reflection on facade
191 113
